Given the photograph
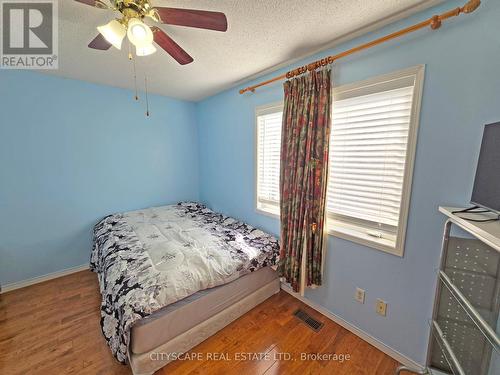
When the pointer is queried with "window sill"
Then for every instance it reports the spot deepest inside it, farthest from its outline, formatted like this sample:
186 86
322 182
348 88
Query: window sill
348 231
359 235
270 211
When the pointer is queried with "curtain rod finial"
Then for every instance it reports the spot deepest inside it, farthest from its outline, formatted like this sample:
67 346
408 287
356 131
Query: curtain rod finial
471 6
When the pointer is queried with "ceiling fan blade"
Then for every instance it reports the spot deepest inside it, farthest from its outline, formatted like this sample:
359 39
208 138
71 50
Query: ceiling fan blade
100 43
172 48
193 18
95 3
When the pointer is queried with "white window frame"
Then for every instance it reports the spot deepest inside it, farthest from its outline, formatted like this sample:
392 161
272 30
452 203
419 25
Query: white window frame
356 230
260 207
352 229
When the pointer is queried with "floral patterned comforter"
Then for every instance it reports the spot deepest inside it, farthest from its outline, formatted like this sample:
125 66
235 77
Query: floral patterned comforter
148 259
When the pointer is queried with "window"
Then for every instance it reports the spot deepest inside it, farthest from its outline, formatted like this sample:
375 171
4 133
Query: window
268 157
372 148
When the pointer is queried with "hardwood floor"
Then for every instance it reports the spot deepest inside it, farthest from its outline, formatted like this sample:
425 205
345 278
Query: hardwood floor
53 328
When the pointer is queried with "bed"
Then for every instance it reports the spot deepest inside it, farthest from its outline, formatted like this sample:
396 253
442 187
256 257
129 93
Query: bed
172 276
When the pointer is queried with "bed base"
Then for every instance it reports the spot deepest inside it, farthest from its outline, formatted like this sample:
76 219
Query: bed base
149 362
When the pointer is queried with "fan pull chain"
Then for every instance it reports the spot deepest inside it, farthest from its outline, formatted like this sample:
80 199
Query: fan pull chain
130 57
147 100
135 82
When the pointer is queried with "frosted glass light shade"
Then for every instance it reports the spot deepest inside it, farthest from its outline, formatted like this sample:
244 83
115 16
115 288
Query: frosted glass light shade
145 50
139 33
113 32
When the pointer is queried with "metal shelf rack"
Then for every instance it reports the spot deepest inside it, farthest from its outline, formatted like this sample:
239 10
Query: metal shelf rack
464 328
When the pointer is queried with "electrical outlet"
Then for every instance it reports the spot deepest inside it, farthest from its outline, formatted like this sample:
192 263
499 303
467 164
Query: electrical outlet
360 295
381 307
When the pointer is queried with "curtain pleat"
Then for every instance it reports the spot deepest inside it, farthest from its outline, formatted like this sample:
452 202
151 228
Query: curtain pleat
304 175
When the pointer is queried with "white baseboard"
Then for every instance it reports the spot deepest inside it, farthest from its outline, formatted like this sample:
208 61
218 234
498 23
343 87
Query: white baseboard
39 279
401 358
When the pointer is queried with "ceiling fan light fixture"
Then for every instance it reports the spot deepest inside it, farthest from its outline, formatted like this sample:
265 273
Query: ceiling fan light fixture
139 33
113 32
146 50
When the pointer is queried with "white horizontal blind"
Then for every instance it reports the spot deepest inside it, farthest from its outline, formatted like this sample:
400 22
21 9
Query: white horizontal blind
368 148
268 157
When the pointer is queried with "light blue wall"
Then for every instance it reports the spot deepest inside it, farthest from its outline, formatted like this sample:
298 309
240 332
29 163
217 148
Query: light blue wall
72 152
461 94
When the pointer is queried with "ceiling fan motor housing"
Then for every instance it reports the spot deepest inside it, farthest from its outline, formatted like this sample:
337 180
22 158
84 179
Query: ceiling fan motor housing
133 8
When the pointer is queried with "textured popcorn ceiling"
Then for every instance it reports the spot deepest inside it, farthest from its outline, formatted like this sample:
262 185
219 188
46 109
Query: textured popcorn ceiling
261 34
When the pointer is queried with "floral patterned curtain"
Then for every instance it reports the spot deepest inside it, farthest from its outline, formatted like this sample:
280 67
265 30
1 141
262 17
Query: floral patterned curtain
304 175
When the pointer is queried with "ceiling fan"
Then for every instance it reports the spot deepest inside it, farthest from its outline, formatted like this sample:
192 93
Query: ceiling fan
131 24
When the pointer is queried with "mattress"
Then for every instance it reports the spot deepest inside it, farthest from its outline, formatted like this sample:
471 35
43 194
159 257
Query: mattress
149 259
171 321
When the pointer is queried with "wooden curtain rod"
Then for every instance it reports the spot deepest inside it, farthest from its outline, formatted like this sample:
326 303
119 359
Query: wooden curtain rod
434 22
